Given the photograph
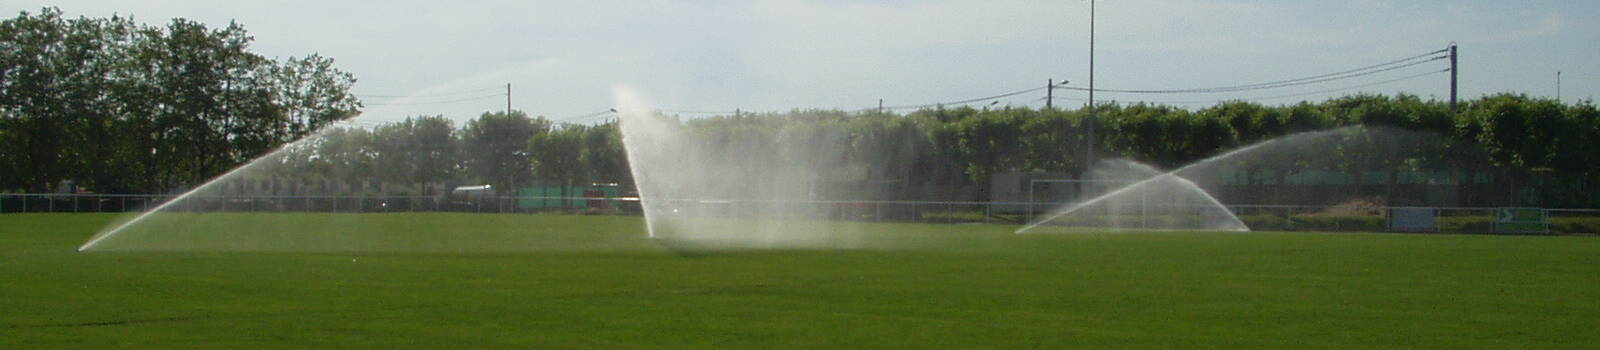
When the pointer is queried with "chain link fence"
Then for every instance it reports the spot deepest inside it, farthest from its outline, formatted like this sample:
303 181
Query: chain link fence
1257 217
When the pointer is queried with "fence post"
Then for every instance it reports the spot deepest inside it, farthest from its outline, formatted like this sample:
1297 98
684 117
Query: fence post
1288 218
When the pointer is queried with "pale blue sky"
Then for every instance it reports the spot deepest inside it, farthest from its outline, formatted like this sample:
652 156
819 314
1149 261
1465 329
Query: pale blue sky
563 56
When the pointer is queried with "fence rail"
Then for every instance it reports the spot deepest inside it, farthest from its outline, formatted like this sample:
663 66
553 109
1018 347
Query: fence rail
1257 217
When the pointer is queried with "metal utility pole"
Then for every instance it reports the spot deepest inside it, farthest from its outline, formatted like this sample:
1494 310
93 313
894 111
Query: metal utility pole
1049 92
1558 86
1092 121
1453 71
508 100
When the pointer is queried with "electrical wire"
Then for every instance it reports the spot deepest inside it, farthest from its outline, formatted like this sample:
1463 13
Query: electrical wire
680 111
1314 79
440 94
582 117
1375 66
1260 98
961 102
1409 77
438 102
1262 86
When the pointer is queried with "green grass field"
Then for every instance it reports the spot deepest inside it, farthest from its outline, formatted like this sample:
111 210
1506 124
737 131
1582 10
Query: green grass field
547 281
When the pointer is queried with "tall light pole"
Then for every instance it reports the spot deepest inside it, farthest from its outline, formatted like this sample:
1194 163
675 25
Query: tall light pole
1092 118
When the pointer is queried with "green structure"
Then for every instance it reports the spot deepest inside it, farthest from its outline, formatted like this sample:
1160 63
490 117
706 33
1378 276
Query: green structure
575 197
1522 220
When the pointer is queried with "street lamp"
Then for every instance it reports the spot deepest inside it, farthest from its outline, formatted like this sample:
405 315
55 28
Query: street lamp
1050 92
1092 117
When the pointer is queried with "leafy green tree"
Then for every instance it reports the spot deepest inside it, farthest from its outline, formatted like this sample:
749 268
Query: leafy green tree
348 155
1517 130
988 144
421 151
496 148
48 66
123 107
603 154
1053 141
557 156
311 93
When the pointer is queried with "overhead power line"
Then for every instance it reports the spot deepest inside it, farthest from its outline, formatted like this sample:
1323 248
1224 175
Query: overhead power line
1315 79
681 111
1393 65
1388 66
960 102
1309 93
440 102
1409 77
583 117
437 94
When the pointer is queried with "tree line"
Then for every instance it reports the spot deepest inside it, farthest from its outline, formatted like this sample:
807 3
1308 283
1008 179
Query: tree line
506 150
116 106
1530 150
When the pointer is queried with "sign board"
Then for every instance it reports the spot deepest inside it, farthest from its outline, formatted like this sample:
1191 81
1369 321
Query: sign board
1521 220
1414 219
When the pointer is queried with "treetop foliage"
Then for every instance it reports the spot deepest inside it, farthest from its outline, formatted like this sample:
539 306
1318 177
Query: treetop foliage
122 107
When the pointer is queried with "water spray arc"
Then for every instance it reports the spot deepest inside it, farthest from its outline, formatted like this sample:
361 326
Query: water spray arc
766 187
252 164
1176 179
632 111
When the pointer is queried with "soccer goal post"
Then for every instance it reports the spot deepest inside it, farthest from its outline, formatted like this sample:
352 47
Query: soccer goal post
1044 194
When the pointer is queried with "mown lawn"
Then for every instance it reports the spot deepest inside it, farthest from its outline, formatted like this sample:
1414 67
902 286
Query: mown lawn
552 281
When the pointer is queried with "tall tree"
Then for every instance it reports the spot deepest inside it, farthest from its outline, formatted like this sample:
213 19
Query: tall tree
603 154
124 107
556 156
496 151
